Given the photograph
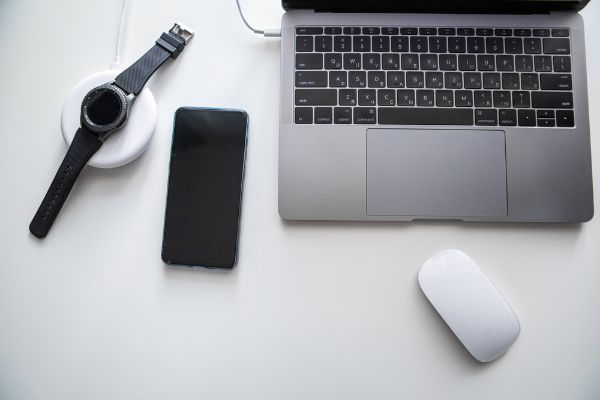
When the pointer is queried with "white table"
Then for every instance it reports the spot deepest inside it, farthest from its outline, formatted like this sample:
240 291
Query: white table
313 310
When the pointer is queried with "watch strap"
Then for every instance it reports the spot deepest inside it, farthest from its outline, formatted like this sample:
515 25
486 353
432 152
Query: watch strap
169 45
85 144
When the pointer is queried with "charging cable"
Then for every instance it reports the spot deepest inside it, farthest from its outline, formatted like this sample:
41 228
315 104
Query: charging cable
266 32
119 45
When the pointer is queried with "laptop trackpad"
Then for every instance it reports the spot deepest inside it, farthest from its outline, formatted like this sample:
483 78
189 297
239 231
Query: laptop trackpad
436 172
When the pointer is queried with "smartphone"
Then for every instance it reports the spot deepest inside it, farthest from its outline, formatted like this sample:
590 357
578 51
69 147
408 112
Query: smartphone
204 193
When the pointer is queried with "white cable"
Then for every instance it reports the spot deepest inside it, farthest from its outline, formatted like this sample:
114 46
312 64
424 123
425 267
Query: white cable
266 32
119 47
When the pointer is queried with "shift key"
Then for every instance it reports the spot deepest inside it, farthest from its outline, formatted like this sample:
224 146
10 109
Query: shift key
551 99
316 97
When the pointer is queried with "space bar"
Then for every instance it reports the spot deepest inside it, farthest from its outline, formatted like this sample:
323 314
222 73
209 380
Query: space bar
425 116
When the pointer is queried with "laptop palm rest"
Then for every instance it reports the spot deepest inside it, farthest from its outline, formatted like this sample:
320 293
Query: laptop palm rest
436 173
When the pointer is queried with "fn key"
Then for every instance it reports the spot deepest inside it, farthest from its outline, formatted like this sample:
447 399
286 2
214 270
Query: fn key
303 115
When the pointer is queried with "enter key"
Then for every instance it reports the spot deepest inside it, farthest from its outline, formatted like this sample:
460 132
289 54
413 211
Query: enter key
556 82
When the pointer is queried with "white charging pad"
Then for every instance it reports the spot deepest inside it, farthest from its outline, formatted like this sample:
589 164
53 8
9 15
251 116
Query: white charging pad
124 145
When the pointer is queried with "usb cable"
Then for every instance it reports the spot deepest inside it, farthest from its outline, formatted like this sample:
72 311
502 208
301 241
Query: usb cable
266 32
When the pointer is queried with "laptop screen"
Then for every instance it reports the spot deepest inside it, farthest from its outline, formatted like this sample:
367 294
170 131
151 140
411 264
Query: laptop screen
458 6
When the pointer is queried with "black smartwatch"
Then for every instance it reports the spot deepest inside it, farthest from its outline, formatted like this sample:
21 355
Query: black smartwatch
104 110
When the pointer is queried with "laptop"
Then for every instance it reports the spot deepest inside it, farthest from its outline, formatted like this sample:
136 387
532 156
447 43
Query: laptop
468 110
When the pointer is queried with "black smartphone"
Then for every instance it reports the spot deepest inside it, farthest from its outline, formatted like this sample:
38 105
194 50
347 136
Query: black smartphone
204 194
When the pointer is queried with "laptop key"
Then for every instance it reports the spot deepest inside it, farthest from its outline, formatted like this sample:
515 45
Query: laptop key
552 99
437 44
386 97
425 98
418 44
309 61
529 82
316 97
513 45
475 44
562 63
541 32
556 82
453 80
507 117
352 61
427 31
503 32
309 30
560 32
545 114
444 98
381 43
342 115
395 80
463 98
429 62
556 46
434 80
491 80
448 62
409 31
521 99
494 45
347 97
338 79
324 44
304 44
447 31
472 80
390 31
565 118
361 43
323 115
524 63
465 31
501 99
399 44
505 63
415 79
482 98
526 117
510 81
406 97
333 30
365 115
457 44
467 62
486 117
371 31
333 61
371 61
409 61
311 79
367 97
376 79
542 63
486 63
546 123
532 45
425 116
522 32
484 32
352 30
342 44
390 61
357 79
303 115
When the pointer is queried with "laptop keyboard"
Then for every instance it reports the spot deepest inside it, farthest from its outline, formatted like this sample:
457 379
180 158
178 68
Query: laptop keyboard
433 76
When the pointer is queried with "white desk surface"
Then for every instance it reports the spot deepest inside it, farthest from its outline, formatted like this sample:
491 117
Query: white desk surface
313 310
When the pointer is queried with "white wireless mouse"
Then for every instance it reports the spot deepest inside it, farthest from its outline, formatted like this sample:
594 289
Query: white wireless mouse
472 307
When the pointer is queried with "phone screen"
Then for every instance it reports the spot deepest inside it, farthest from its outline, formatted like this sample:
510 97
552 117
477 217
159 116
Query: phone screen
205 188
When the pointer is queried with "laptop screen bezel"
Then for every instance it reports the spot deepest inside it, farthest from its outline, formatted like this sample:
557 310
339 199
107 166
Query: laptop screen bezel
437 6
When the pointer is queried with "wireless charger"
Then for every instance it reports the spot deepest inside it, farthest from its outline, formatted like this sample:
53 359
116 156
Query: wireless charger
123 146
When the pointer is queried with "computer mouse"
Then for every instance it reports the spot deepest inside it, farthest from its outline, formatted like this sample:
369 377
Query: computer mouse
470 304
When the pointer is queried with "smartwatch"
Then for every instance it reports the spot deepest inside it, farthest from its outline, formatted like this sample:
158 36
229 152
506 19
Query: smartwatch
104 110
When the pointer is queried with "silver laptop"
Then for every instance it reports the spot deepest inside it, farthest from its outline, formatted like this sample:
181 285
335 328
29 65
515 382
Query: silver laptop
434 110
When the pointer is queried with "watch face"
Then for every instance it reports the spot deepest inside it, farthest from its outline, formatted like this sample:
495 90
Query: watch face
104 109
